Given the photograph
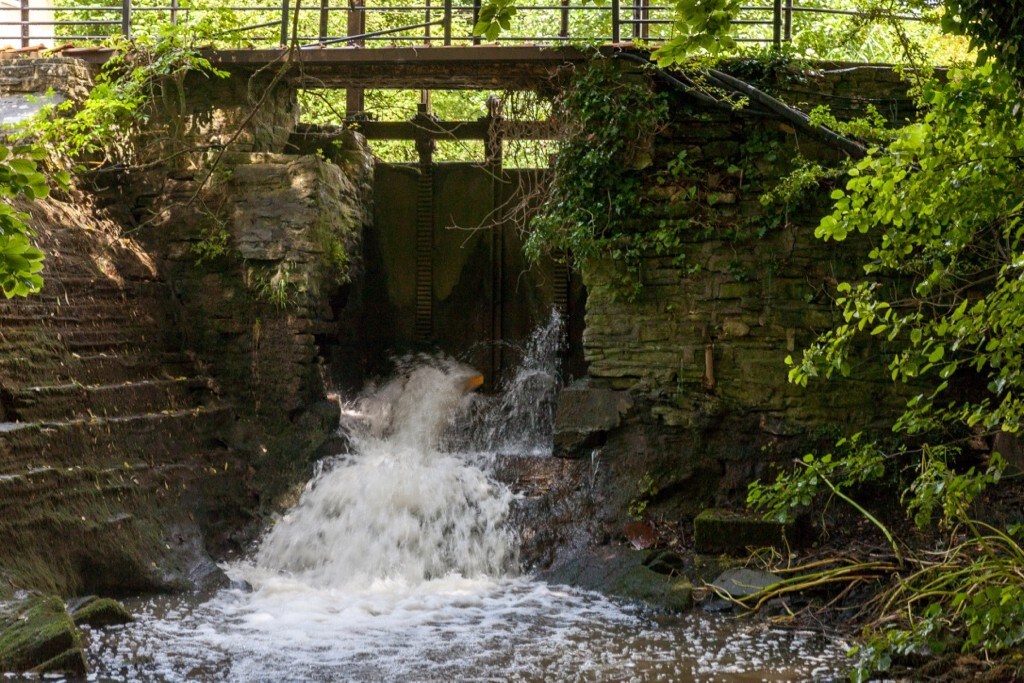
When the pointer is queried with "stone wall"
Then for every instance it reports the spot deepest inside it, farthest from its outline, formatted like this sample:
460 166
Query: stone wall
167 384
698 359
112 449
256 265
27 85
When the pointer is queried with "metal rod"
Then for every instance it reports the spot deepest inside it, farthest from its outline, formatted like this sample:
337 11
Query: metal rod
788 31
26 31
284 22
126 18
375 34
476 19
563 29
324 16
355 98
174 12
615 21
777 24
447 22
246 28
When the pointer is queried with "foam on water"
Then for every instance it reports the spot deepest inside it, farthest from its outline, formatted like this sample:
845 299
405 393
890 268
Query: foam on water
447 629
397 565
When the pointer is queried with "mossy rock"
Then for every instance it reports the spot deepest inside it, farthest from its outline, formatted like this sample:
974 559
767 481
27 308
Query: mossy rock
638 583
99 612
728 531
38 635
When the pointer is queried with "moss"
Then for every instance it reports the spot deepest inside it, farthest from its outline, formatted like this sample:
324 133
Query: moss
38 635
100 612
87 542
727 531
644 585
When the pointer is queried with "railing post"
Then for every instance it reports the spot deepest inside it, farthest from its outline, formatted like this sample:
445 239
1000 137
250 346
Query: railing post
355 99
26 33
788 30
126 18
777 24
447 22
174 12
641 14
426 20
284 22
324 16
563 29
476 18
616 37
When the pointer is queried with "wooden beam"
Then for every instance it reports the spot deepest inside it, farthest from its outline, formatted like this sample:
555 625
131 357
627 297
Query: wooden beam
445 130
458 67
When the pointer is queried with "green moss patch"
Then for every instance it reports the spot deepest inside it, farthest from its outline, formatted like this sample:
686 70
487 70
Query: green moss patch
726 531
641 584
99 612
38 635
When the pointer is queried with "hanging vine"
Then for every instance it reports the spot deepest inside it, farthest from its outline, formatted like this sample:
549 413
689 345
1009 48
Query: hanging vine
596 206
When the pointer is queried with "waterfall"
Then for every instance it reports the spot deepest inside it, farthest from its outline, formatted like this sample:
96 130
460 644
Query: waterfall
520 419
398 565
398 508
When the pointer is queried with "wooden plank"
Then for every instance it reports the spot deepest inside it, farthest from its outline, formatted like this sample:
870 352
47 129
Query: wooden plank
438 130
457 67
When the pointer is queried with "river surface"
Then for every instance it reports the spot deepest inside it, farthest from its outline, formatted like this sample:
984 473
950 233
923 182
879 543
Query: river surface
399 564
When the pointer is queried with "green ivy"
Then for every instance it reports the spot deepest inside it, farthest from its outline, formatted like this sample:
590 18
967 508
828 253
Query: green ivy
596 209
105 127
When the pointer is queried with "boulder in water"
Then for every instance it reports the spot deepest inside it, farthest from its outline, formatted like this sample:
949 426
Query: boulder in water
658 590
38 636
98 612
740 582
584 415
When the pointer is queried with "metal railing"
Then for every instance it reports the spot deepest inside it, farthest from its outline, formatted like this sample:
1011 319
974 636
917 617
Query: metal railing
271 23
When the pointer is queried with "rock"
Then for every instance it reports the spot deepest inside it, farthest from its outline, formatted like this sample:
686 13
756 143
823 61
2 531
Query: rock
645 585
99 612
640 535
666 562
206 577
37 635
584 415
726 531
741 582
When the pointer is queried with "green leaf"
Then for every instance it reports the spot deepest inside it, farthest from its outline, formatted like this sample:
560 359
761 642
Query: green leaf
23 166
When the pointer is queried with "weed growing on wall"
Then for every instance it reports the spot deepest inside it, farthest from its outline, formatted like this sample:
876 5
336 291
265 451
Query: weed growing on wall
20 177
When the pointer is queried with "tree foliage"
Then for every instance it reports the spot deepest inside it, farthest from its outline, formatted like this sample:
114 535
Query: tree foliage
595 206
996 28
941 201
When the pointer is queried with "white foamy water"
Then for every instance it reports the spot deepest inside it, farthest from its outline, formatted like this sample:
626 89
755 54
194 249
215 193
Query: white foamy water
398 565
398 509
445 630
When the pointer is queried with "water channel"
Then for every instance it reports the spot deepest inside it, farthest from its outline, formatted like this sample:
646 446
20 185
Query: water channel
398 564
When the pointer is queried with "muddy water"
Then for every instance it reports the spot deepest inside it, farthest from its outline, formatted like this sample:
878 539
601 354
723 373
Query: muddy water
399 564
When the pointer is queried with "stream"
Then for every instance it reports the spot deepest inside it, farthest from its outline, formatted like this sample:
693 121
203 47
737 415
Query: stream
398 564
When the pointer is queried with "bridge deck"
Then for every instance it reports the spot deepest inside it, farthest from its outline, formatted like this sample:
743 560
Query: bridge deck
475 67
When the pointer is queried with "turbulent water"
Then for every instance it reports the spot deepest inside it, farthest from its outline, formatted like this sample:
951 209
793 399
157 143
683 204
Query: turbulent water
398 565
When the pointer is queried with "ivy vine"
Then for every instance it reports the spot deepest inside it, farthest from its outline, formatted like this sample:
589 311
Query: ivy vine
595 208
